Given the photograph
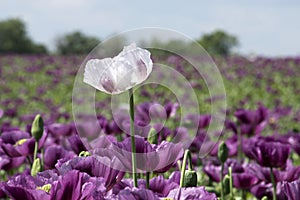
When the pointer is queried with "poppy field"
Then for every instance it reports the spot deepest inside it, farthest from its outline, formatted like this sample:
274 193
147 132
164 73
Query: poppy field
43 155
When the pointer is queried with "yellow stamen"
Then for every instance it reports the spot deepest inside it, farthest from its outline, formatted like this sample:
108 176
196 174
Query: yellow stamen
20 142
46 188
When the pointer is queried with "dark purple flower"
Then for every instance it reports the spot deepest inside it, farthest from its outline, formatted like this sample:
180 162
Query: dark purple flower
136 194
146 157
161 186
192 193
242 176
263 189
267 151
293 139
76 144
292 190
289 173
25 187
59 130
102 164
232 145
16 143
77 185
7 162
54 153
168 153
252 122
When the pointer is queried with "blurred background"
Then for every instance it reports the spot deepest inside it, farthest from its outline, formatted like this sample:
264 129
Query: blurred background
254 44
268 27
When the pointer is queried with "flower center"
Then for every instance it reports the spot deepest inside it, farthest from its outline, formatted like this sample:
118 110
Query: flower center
84 154
46 188
20 142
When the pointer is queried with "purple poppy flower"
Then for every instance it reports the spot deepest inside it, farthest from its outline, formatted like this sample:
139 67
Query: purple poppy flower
292 190
128 182
266 189
102 164
59 130
161 186
17 143
201 121
136 194
293 139
232 145
175 177
7 162
25 187
168 153
77 185
171 109
289 173
242 176
252 122
267 151
54 153
76 144
192 193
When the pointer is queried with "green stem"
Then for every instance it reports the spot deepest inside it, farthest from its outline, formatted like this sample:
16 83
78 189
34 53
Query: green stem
244 194
35 150
221 181
231 183
42 159
273 183
240 153
28 159
187 155
147 179
133 156
179 164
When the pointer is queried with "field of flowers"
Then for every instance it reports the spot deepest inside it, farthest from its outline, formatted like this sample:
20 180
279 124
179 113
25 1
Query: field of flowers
259 155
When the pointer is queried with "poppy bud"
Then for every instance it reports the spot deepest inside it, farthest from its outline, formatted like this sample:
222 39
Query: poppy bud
222 152
36 167
152 136
226 184
190 178
37 128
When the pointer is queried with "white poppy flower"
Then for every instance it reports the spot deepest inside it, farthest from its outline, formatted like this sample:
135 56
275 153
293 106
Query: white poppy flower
114 75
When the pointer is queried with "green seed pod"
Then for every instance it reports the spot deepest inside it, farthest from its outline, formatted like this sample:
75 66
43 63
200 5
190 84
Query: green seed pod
190 178
222 152
226 184
152 136
37 128
36 167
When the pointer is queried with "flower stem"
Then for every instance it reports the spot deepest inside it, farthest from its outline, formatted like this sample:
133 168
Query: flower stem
147 179
240 148
273 183
35 150
133 156
231 183
42 159
221 181
187 155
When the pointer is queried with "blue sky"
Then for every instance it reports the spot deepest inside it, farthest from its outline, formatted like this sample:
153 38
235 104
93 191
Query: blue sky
266 27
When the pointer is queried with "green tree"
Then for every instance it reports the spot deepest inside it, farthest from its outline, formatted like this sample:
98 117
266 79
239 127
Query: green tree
75 43
14 38
218 42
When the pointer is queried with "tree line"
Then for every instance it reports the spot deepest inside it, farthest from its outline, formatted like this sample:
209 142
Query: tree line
14 39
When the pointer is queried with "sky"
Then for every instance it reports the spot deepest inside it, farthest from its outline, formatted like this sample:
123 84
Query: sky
263 27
